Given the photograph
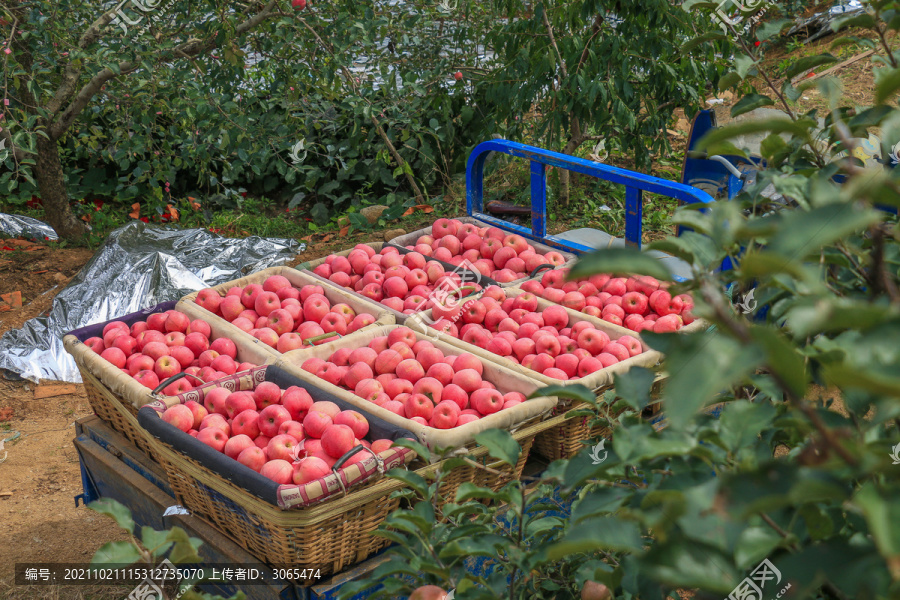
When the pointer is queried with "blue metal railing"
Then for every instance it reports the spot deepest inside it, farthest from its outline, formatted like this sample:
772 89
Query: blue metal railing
635 185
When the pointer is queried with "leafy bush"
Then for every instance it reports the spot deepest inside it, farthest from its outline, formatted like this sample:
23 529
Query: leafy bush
795 487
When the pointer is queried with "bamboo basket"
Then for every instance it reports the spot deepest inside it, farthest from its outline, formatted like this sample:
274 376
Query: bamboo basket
597 381
335 294
461 437
115 396
327 528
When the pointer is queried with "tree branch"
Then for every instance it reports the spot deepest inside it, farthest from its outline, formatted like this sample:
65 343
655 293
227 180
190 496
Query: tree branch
742 333
191 48
72 72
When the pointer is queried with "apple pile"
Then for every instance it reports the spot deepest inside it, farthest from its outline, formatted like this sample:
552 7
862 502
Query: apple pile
415 380
403 282
280 315
502 257
281 434
164 345
541 340
637 303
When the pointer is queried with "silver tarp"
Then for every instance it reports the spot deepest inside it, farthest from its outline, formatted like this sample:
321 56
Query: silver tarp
16 226
138 266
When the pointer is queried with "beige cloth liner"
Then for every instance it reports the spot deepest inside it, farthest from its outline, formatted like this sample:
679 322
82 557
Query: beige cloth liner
505 379
410 239
596 381
249 349
335 294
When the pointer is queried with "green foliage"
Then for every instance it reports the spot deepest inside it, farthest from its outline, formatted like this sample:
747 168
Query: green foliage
153 547
616 72
280 111
810 485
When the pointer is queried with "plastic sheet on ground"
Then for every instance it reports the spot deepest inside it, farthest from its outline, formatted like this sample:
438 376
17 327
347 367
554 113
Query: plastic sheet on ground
137 267
16 226
819 24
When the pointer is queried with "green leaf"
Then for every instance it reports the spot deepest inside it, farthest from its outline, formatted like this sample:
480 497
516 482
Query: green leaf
119 512
185 548
419 448
728 80
741 422
709 36
413 480
500 444
116 553
798 128
782 358
571 392
743 64
863 21
818 523
700 365
807 63
601 533
319 213
634 385
803 233
635 444
887 82
771 28
620 261
754 544
750 102
296 200
155 541
690 564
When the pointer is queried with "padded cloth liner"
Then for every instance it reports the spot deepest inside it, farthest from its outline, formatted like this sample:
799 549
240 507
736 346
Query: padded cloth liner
243 476
96 329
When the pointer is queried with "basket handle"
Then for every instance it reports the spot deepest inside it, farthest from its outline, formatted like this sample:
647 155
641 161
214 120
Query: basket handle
340 463
311 340
540 268
173 378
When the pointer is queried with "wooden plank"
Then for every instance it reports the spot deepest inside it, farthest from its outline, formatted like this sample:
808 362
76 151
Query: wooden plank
119 446
113 479
829 71
51 390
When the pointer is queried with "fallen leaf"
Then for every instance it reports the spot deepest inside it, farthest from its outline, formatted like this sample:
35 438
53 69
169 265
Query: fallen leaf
135 211
344 231
173 212
327 237
86 218
425 208
194 204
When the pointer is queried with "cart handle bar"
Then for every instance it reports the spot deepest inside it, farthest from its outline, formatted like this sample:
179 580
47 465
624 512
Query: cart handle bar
635 184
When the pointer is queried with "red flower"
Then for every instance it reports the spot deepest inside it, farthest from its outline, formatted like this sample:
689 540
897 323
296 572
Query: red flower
145 219
757 43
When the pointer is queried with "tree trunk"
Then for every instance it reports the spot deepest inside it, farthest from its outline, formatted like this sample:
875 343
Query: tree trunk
52 185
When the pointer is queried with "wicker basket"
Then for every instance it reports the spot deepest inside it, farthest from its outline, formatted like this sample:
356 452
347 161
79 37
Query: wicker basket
565 440
329 536
335 294
461 437
318 527
334 534
115 396
121 415
597 381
